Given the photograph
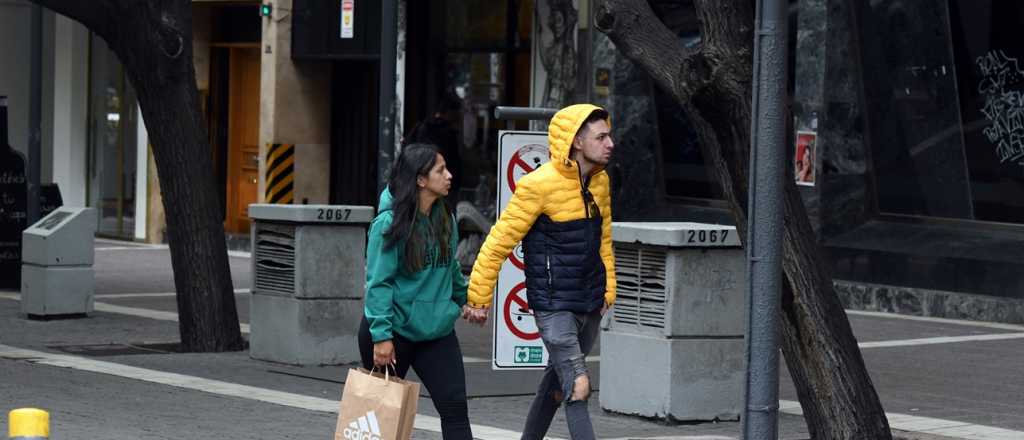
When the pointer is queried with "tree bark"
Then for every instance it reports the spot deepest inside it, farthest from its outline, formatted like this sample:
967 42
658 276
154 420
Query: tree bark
712 83
153 40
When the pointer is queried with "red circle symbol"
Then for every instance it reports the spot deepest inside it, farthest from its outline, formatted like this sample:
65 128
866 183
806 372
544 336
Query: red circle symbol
514 302
514 258
525 160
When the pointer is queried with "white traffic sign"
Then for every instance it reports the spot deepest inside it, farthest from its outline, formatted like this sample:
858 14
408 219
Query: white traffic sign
517 344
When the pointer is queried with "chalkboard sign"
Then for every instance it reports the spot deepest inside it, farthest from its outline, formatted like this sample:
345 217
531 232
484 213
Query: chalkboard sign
13 215
13 206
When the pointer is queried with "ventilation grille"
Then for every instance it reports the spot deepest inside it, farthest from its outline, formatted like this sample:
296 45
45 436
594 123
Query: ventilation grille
641 298
275 259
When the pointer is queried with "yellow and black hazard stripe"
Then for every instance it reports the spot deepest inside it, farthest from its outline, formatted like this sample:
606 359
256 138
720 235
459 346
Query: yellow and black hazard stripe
280 173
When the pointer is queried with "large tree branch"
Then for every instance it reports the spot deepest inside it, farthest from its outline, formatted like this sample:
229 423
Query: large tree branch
643 38
726 25
95 15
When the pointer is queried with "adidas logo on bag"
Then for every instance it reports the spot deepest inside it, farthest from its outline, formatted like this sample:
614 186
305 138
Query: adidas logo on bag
364 428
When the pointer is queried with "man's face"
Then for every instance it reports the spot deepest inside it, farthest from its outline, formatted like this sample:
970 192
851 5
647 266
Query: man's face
594 143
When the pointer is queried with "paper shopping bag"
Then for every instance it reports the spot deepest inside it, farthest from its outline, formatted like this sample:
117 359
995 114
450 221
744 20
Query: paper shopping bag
376 408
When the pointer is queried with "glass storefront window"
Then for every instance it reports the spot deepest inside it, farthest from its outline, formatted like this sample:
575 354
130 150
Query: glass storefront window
112 152
485 64
990 75
944 83
917 148
476 23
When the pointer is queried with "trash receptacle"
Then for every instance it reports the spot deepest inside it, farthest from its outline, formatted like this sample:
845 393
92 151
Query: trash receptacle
673 347
57 277
308 278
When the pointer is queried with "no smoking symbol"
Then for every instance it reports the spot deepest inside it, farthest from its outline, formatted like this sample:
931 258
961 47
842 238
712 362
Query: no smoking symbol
526 159
516 311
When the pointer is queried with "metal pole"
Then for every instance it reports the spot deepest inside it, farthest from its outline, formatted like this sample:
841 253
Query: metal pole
35 113
765 220
386 89
527 113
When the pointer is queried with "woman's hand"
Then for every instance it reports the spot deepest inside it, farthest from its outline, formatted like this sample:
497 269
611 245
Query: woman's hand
476 315
384 353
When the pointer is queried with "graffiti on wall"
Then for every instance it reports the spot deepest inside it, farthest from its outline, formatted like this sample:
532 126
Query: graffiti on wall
1004 107
556 28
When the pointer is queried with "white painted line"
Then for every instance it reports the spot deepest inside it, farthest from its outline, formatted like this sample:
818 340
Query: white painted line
130 248
147 313
423 422
928 425
941 340
144 247
244 290
127 243
963 322
131 311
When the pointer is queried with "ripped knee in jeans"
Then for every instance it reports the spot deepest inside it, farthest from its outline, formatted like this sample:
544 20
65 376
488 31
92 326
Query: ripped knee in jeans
578 388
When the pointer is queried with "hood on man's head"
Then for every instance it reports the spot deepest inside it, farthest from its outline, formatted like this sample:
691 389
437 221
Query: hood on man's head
563 128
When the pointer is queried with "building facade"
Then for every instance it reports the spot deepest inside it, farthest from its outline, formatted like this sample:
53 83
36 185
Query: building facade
905 139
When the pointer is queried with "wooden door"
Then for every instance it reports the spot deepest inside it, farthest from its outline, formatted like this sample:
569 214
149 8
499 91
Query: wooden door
243 136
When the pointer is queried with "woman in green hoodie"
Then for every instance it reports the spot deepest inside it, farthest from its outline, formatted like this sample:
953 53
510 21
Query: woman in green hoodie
414 288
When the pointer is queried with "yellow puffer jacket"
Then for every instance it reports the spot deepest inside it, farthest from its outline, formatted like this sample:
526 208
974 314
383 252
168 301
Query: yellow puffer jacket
553 189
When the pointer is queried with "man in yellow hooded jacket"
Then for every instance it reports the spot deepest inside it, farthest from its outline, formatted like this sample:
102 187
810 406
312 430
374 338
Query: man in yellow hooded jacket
562 213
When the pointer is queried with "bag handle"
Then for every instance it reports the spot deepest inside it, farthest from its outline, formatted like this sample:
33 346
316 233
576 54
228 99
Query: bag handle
385 369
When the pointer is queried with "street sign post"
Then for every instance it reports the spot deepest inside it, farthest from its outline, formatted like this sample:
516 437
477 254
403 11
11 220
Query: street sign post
517 343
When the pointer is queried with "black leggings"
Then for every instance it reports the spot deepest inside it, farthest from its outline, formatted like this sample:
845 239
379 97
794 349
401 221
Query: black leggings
438 363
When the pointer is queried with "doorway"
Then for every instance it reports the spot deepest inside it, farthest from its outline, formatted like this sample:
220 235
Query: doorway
113 113
243 136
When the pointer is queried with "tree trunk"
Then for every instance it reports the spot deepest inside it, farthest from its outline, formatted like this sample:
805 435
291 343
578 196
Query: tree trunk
153 40
712 83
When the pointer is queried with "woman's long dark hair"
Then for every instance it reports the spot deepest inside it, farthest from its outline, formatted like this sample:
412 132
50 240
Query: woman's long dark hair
416 160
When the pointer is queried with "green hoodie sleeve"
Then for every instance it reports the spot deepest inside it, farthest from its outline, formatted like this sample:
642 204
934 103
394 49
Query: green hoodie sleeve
459 283
381 268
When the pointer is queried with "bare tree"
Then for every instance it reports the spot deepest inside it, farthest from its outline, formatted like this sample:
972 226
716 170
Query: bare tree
712 83
153 40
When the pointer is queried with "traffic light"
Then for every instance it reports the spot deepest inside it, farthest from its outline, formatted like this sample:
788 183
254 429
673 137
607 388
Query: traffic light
266 9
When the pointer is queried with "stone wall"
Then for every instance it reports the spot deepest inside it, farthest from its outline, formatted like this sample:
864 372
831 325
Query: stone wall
924 302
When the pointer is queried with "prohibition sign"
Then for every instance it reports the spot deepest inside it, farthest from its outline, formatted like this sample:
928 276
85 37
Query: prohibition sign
525 160
514 300
514 256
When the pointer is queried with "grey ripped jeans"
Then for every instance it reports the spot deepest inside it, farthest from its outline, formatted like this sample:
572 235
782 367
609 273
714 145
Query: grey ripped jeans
569 337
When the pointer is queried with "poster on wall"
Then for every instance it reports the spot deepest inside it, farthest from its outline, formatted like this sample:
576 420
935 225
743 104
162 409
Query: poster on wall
803 159
348 14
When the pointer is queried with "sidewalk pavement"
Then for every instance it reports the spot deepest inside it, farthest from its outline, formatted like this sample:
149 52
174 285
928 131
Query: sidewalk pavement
100 378
115 376
78 369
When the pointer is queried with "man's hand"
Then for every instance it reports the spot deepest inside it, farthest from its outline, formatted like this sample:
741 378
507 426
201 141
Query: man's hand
605 309
476 315
384 353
